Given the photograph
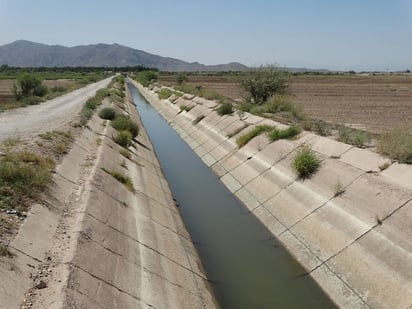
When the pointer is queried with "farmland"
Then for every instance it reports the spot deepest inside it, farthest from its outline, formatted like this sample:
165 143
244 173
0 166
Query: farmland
373 103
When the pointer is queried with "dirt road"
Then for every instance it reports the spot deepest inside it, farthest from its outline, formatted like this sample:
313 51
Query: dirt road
47 116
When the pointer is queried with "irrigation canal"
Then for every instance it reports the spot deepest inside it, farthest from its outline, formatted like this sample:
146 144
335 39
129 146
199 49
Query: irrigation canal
247 267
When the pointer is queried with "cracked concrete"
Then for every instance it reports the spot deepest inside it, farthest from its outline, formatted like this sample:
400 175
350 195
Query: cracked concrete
356 244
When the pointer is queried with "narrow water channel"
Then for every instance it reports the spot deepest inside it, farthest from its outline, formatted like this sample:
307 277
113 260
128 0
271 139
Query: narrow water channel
248 268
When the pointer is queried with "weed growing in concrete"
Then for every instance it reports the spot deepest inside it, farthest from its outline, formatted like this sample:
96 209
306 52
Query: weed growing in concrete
397 144
305 162
320 127
225 109
107 113
185 108
125 153
124 123
338 189
123 138
288 133
384 166
353 137
165 93
121 178
244 139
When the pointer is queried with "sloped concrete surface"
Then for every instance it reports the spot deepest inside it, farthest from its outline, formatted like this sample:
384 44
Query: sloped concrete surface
349 224
102 245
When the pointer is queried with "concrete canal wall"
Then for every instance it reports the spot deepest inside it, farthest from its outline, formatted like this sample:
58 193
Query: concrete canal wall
100 245
357 245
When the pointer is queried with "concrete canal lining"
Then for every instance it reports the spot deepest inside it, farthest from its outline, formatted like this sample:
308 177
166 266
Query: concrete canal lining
357 245
99 245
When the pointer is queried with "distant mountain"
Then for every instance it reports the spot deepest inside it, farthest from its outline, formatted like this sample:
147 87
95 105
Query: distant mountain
29 54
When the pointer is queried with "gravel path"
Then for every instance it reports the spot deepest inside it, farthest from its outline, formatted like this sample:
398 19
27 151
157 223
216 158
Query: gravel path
47 116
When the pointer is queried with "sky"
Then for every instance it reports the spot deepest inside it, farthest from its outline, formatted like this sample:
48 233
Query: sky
329 34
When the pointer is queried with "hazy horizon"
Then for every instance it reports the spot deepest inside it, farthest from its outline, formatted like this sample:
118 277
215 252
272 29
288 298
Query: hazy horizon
364 35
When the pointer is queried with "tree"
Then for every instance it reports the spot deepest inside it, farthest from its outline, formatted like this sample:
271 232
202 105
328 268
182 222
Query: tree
146 77
260 83
28 85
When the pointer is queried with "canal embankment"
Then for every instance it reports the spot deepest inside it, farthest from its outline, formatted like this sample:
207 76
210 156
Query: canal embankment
109 234
356 242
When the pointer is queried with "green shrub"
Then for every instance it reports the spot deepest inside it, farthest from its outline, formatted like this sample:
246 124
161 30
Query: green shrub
181 78
281 105
31 100
123 138
244 139
125 153
124 123
165 93
146 77
107 113
290 132
397 144
305 162
353 137
225 109
91 104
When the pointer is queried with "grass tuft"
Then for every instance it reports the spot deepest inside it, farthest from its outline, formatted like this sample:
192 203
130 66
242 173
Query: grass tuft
288 133
124 123
244 139
107 113
397 144
121 178
305 162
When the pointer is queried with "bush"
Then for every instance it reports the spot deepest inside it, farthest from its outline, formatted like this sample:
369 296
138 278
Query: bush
123 138
107 113
277 104
397 144
165 93
244 139
290 132
305 162
225 109
31 100
181 78
353 137
259 84
146 77
91 104
28 85
124 123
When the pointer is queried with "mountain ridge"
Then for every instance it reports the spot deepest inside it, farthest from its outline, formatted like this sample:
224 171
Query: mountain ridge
23 53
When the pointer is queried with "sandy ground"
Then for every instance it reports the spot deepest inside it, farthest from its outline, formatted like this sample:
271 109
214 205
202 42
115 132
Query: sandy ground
47 116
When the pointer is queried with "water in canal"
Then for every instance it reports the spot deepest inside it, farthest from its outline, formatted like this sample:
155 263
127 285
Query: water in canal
248 268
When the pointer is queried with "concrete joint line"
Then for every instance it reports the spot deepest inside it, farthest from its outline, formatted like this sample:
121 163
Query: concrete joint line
81 147
64 177
24 253
139 265
396 210
110 284
145 245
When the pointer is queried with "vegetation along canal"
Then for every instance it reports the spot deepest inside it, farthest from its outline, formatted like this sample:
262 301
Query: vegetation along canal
248 268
